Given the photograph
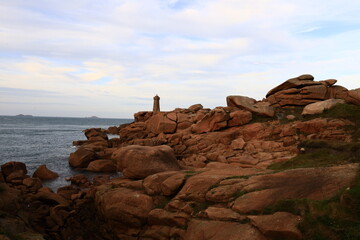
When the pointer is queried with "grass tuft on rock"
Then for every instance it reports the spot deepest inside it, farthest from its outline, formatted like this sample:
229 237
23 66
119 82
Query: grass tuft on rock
320 153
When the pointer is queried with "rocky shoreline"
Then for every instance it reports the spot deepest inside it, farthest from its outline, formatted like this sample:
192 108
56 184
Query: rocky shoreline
250 170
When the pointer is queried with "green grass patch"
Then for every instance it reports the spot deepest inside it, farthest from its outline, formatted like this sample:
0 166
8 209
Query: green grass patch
162 204
260 118
238 177
199 206
190 173
239 193
319 153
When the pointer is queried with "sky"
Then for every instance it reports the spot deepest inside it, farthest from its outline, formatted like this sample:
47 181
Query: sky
109 58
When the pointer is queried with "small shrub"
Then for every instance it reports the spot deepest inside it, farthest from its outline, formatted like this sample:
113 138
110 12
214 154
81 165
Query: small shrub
319 153
199 206
239 193
162 204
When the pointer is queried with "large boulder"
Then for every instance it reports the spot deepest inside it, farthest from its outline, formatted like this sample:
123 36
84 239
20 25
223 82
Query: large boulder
320 107
141 161
250 104
44 173
81 157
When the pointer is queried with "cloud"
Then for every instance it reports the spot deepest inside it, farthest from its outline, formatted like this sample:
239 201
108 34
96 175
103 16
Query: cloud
112 57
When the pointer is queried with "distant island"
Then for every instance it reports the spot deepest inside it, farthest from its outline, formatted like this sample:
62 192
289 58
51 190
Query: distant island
23 115
93 117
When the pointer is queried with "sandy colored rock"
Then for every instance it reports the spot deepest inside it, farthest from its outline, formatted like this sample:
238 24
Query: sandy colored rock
44 173
142 161
280 225
219 230
81 158
320 107
101 165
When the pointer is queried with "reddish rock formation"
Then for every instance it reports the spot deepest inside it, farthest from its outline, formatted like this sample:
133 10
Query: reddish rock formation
303 90
250 104
81 157
44 173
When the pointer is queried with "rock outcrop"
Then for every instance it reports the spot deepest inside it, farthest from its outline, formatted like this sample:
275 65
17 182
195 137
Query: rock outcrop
303 90
44 173
142 161
197 173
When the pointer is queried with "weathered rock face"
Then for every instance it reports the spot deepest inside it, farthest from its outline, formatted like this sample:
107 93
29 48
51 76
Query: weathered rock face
162 123
320 107
44 173
311 183
250 104
142 161
303 90
213 121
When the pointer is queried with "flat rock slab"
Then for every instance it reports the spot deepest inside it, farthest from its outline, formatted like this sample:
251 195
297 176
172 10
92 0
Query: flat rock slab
280 225
219 230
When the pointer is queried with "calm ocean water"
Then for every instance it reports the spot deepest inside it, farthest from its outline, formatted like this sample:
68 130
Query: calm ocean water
46 140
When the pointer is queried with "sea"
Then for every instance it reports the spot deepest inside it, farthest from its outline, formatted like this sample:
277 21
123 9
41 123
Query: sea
47 140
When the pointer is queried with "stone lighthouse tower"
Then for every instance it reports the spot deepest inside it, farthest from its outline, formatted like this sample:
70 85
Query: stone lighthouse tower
156 106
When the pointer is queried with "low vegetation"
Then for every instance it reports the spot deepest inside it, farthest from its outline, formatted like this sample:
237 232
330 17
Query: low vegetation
319 153
337 218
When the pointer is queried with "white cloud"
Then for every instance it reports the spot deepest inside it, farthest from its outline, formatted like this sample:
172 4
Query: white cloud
112 54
